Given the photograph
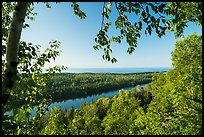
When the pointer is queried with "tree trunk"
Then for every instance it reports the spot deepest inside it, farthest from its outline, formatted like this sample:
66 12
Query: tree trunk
12 48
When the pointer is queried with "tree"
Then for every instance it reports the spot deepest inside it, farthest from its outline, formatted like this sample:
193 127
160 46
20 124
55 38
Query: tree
159 17
56 123
172 16
12 47
28 77
120 115
177 107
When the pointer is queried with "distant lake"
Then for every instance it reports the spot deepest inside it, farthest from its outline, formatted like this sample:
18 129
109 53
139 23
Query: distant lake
115 70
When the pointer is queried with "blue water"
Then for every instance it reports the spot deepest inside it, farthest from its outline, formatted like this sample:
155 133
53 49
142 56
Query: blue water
76 103
115 70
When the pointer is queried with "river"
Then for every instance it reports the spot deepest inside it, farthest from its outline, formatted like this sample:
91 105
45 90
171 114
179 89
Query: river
76 103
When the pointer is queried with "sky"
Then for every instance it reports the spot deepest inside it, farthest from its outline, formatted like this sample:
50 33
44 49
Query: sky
77 39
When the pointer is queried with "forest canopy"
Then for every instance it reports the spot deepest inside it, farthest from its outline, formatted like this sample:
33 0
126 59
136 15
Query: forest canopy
171 105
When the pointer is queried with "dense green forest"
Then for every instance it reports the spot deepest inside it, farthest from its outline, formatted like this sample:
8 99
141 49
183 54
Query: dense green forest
70 86
115 115
170 105
64 86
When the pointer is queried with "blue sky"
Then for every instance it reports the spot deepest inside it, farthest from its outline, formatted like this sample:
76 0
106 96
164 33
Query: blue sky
77 39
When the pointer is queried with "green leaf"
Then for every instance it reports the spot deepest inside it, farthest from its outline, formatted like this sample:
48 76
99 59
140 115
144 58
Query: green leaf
147 9
113 60
31 82
47 5
137 11
15 78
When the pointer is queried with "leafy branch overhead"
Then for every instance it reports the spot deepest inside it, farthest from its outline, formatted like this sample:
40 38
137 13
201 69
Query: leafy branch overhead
151 17
78 11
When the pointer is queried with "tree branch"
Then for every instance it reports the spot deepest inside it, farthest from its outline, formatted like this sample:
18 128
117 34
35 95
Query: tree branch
102 22
117 8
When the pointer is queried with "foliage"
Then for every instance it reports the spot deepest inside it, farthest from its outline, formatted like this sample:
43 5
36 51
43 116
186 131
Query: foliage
174 105
119 113
104 116
78 11
182 13
171 104
28 80
56 123
158 17
179 91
